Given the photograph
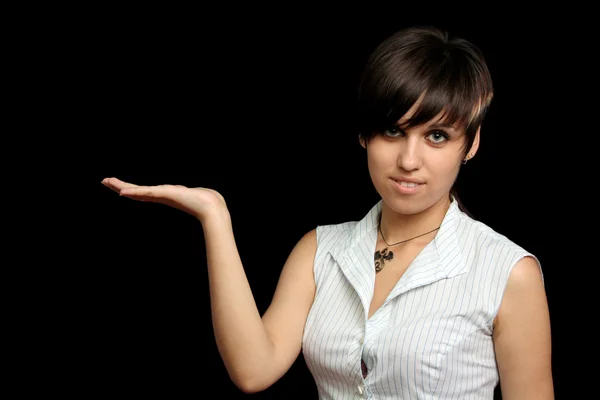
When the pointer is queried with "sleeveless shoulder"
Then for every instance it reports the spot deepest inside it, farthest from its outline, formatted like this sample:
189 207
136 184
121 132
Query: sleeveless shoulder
491 256
328 238
476 235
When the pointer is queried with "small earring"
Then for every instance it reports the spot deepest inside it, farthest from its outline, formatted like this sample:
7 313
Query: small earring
469 156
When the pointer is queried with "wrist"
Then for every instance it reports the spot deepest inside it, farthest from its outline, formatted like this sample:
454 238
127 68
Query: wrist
216 216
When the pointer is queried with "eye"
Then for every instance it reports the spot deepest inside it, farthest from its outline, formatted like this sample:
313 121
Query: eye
437 137
393 131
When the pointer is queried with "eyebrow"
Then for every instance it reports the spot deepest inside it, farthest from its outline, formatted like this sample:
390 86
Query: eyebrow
437 125
445 126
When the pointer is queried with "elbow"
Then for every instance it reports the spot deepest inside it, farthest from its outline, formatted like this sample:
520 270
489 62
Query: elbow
248 389
255 376
250 385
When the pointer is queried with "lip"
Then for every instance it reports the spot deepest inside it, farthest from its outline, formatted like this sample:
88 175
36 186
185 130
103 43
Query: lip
406 190
406 179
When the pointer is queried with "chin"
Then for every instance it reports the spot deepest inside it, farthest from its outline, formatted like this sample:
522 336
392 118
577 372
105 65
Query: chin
405 204
407 207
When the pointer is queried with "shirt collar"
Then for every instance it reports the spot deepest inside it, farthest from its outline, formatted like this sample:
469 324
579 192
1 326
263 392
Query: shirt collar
443 250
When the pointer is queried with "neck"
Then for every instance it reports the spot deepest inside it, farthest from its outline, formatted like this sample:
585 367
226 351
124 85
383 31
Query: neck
397 226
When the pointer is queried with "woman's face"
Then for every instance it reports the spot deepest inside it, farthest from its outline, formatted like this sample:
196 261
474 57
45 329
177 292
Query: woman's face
414 169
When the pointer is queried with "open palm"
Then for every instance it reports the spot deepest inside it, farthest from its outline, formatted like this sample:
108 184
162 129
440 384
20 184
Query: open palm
198 202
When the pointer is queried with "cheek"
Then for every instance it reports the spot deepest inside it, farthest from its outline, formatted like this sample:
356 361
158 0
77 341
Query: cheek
446 170
380 164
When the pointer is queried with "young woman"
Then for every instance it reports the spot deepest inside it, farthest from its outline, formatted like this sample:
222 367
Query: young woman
417 299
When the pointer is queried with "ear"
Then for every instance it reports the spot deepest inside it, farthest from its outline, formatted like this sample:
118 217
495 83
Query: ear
362 141
474 146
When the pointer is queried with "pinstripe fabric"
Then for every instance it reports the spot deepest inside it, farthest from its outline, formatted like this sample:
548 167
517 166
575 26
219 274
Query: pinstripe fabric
431 338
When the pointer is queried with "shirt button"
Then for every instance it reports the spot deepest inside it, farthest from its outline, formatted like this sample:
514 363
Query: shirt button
360 389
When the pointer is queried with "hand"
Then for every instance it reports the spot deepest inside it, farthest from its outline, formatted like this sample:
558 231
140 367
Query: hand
198 202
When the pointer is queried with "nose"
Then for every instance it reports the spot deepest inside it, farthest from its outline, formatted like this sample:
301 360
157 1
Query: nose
410 155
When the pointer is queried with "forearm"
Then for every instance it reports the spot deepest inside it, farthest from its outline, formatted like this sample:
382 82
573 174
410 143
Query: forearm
239 331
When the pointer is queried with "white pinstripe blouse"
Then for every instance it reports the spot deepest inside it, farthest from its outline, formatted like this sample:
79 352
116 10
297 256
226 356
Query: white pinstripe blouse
432 337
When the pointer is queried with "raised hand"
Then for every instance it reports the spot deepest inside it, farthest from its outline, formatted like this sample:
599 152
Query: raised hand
198 202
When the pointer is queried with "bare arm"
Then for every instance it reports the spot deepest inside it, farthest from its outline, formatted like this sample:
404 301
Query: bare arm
522 336
257 351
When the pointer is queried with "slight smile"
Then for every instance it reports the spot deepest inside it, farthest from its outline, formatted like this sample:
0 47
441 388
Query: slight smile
406 186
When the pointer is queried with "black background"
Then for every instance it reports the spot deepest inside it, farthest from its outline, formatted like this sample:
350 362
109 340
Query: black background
257 104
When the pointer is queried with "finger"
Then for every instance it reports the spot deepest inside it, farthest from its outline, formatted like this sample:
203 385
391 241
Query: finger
116 184
138 191
158 194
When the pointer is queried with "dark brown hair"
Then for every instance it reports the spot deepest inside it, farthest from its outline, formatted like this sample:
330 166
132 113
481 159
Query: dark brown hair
449 73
